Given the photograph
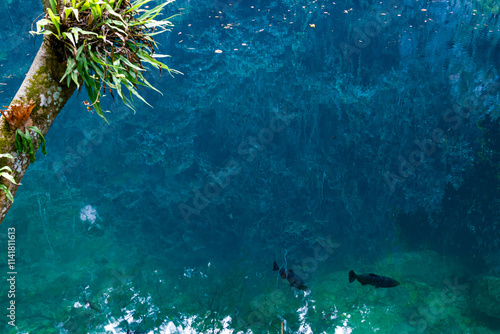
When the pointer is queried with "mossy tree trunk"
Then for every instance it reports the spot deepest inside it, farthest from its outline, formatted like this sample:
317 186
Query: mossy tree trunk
43 87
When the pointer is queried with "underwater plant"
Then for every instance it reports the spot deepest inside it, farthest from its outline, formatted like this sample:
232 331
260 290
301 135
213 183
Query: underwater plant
105 44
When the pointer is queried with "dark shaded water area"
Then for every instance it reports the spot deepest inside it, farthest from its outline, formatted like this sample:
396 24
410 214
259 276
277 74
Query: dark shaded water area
327 136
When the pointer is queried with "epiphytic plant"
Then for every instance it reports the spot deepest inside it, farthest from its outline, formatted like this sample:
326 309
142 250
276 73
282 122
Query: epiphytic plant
19 120
105 44
18 115
24 142
6 172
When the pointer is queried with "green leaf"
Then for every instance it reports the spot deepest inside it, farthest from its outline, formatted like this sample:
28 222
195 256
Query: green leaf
75 12
114 27
83 32
118 3
136 5
8 194
151 13
98 70
95 7
94 58
70 66
151 86
6 155
85 5
38 132
70 37
53 4
112 12
41 138
125 60
20 141
55 21
23 143
67 12
134 91
98 110
79 51
9 177
7 168
74 77
83 70
40 27
101 62
31 150
118 86
108 62
147 58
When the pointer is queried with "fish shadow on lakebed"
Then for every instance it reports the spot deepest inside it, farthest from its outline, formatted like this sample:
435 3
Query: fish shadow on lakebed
372 279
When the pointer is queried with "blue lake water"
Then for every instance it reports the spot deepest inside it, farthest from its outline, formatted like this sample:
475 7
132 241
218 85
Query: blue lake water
326 136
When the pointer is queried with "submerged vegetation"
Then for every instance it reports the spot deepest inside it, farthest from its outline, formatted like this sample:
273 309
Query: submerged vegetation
105 44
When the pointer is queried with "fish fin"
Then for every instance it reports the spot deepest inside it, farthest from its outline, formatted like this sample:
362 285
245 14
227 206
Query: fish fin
373 275
352 276
275 266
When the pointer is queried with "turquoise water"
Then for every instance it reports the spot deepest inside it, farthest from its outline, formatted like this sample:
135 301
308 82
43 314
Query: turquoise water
327 136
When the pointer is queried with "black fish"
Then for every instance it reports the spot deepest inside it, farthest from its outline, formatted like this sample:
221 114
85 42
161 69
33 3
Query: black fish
292 278
372 279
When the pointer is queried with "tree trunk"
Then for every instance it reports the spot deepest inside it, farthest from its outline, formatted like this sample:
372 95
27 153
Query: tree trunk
43 87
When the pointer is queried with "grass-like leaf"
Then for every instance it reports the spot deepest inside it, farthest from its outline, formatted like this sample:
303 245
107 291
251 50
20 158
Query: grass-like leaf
53 5
6 172
55 21
108 44
7 192
41 138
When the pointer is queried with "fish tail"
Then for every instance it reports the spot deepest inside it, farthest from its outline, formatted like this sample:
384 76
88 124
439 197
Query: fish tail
352 276
275 266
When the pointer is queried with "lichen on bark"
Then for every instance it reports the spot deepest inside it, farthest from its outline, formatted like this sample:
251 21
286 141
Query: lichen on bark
42 79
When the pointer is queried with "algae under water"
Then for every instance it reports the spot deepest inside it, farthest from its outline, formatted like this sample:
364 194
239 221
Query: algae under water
325 136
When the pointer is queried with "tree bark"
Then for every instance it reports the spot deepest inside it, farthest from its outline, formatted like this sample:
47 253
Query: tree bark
46 4
43 87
